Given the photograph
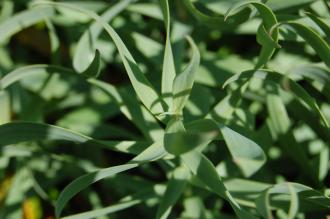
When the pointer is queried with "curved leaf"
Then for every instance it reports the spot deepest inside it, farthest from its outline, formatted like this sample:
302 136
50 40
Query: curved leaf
299 194
23 20
279 5
28 71
16 132
269 42
248 156
184 81
320 46
151 131
217 20
54 42
11 133
140 83
124 203
84 50
313 73
104 211
200 166
84 181
281 80
93 70
153 152
322 24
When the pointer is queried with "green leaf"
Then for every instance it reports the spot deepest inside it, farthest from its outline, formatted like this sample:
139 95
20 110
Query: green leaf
320 46
29 71
199 133
181 125
5 109
150 9
174 189
85 46
168 72
103 211
264 37
132 109
277 5
16 132
11 133
124 203
142 86
319 77
84 181
200 166
129 108
277 112
184 81
303 113
294 203
280 125
247 155
23 20
321 23
218 20
222 112
153 152
54 42
284 82
20 185
263 205
298 193
181 142
93 70
7 9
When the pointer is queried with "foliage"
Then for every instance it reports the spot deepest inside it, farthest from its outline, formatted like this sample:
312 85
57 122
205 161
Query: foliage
164 109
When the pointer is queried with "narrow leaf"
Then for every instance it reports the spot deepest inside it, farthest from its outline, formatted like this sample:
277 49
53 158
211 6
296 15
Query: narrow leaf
184 81
153 152
263 37
320 46
16 132
5 109
85 46
23 20
218 20
141 85
168 73
284 82
200 166
173 191
133 113
322 24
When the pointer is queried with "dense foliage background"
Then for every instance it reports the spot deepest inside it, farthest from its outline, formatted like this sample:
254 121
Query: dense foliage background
225 103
